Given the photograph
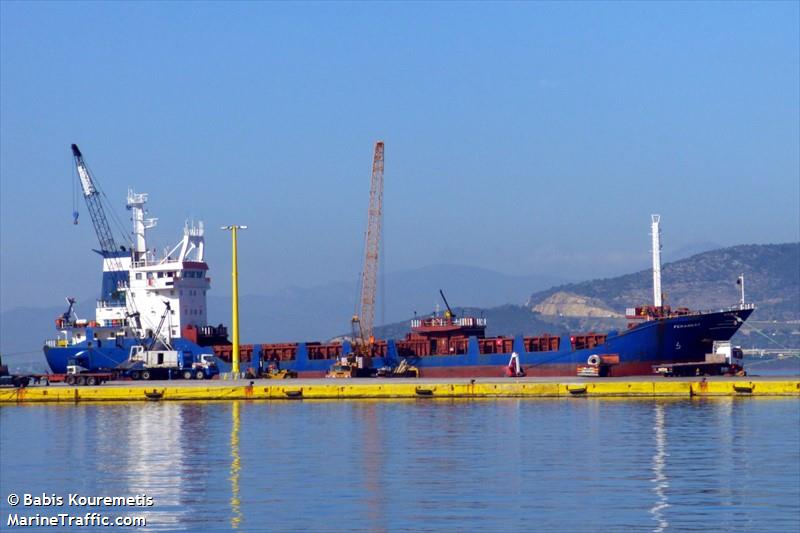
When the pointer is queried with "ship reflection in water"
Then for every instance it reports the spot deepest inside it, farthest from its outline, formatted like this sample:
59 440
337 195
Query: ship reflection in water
143 449
483 465
661 484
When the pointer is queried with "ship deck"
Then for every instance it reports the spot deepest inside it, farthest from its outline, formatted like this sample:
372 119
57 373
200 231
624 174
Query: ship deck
401 388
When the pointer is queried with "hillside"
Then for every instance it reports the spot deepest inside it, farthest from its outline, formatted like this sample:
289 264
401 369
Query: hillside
703 281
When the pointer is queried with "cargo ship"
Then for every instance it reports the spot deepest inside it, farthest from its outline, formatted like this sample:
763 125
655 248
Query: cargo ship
144 298
444 345
140 290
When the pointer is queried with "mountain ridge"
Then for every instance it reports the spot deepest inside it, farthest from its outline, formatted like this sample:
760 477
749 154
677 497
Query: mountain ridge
704 281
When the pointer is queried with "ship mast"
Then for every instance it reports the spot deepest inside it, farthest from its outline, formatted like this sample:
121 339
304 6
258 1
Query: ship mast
740 283
655 231
136 202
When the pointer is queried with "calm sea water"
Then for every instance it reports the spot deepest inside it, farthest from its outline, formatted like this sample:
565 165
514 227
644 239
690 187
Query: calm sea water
422 465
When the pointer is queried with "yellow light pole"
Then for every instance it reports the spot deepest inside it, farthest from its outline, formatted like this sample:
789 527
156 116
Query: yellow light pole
235 301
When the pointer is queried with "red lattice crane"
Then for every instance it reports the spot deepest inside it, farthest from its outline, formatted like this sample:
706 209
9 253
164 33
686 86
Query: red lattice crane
364 319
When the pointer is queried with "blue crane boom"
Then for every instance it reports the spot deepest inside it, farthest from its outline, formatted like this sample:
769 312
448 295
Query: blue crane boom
92 196
108 246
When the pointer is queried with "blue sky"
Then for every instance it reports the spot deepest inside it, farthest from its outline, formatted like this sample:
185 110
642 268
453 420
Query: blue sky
524 138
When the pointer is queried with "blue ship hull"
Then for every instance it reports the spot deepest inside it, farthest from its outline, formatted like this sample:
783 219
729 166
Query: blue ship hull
669 340
105 355
675 339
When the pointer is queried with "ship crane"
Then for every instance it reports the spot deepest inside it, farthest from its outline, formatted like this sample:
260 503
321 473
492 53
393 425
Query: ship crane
69 316
108 247
363 320
157 335
449 314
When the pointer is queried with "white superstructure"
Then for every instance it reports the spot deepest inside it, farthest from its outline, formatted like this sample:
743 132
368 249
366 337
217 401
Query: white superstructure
140 296
179 277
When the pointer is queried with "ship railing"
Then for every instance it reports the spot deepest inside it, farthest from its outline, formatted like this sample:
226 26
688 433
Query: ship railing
165 261
470 321
55 343
107 303
630 314
444 321
738 307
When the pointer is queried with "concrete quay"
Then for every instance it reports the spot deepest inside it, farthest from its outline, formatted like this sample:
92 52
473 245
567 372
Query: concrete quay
376 388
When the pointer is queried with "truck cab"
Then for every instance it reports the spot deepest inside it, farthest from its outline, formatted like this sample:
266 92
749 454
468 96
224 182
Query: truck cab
207 363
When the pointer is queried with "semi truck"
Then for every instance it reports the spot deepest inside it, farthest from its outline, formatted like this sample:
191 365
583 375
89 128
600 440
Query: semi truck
724 360
10 380
168 364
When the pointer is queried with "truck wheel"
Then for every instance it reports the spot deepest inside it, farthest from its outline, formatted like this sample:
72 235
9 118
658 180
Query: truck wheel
91 381
146 375
81 380
199 374
70 380
135 375
187 374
